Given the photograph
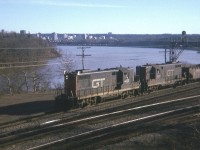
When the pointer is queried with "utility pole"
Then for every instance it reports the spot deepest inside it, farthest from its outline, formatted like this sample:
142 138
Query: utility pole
166 51
165 55
83 54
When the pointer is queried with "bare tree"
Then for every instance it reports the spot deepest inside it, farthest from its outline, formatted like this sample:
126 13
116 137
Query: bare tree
9 84
66 64
26 80
12 81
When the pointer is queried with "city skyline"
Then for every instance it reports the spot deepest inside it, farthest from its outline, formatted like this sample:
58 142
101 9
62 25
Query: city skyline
93 16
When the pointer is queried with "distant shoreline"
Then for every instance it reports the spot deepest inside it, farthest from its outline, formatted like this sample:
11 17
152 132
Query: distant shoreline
153 46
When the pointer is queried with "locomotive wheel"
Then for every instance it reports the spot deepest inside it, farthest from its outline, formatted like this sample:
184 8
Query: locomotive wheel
89 101
159 87
97 100
123 95
102 100
131 93
82 104
136 93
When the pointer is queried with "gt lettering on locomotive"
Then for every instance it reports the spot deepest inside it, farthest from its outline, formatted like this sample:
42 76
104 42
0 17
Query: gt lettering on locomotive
97 83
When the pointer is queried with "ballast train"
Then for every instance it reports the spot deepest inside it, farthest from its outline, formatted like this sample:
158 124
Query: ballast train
83 87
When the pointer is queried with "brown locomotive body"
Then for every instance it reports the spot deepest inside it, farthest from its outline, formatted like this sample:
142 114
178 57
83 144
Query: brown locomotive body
91 86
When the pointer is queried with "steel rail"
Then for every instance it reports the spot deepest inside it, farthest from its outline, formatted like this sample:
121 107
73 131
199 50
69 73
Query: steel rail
108 129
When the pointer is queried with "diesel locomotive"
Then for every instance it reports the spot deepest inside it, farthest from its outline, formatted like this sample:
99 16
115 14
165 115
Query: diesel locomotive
93 86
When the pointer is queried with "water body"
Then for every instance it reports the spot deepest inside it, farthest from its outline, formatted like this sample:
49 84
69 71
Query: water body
110 57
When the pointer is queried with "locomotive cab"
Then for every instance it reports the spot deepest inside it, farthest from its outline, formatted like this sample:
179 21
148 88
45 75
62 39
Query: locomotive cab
125 78
70 84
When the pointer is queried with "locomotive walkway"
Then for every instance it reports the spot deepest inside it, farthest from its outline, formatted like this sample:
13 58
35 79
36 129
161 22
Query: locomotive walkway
98 122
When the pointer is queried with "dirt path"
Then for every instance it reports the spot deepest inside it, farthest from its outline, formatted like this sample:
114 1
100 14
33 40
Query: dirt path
24 105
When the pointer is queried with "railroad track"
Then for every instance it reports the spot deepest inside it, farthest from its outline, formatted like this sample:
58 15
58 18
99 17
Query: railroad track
32 123
94 123
138 125
157 96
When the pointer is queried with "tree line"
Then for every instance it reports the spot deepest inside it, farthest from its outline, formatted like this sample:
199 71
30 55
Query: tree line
21 60
24 48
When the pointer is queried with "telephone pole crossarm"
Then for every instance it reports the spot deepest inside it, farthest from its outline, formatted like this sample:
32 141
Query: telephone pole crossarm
83 55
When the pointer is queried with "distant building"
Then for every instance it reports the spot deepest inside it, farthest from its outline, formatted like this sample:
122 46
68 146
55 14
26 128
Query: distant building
2 31
111 38
55 36
90 37
86 36
65 36
70 37
22 32
38 35
102 37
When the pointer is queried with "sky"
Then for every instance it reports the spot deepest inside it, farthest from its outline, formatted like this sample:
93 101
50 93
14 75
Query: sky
101 16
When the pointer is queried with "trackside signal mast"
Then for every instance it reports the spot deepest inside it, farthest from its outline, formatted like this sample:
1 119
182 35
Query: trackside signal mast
83 54
177 48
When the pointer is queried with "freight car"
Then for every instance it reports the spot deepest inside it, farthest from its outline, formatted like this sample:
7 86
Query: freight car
86 87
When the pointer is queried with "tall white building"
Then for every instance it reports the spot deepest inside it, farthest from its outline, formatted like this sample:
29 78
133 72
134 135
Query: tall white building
55 36
65 36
